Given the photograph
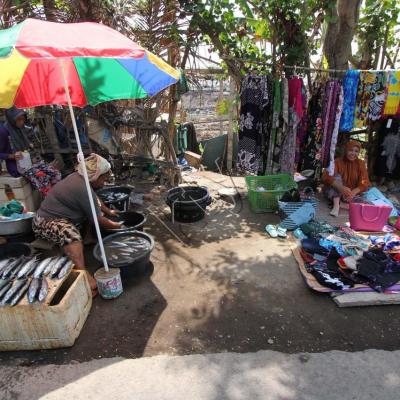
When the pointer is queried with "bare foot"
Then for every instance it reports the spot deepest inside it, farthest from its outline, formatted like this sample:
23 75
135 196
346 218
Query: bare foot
334 212
345 206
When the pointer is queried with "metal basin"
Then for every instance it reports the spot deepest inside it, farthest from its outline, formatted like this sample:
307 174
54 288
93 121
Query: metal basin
16 226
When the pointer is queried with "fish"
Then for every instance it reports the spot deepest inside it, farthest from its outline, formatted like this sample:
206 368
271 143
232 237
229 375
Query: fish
57 266
14 289
4 263
27 268
13 265
5 289
33 290
44 290
3 282
65 269
15 300
50 265
41 268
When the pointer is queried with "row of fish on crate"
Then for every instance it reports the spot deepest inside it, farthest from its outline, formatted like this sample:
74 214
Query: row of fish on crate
29 275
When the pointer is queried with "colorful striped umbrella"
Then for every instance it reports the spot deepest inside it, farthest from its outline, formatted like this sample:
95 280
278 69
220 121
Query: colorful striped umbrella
101 65
45 63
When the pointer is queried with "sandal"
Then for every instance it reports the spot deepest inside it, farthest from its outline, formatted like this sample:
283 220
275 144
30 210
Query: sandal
271 229
282 232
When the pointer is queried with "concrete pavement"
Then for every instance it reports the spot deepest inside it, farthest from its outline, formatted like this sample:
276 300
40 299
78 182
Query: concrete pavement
267 375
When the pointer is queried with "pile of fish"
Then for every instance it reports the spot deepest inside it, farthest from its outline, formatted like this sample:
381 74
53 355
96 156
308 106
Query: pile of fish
124 250
113 196
28 274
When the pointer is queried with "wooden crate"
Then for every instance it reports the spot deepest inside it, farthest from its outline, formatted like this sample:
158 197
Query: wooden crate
55 323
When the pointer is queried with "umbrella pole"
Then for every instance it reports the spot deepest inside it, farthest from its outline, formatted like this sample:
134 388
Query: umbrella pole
81 159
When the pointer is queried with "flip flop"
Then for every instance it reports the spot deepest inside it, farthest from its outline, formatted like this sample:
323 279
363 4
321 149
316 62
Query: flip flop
282 232
299 234
271 229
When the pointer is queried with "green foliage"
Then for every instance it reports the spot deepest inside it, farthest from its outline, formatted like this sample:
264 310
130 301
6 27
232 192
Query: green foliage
377 17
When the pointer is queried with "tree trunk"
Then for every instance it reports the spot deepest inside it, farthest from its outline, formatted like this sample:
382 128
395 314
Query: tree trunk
340 33
49 8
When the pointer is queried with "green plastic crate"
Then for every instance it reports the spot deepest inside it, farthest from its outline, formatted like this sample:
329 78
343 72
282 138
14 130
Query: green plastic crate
275 185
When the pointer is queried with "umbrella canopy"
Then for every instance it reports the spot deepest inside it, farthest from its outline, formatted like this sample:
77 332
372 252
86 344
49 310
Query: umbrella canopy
45 63
100 64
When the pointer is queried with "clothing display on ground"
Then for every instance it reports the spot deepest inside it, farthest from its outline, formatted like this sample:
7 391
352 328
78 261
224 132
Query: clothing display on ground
339 258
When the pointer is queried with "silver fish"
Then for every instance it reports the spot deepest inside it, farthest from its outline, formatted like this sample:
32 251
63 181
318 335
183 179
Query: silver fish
14 289
27 268
4 263
5 289
3 282
34 288
44 290
13 265
57 266
53 260
65 269
15 300
41 268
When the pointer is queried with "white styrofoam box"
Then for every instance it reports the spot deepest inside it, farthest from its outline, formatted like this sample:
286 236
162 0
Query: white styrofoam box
19 182
20 193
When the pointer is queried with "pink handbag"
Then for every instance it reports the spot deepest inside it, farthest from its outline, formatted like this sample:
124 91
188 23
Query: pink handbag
367 217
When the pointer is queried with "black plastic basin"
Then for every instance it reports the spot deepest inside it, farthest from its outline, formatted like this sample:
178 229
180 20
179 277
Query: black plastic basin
188 203
132 221
137 264
9 250
121 203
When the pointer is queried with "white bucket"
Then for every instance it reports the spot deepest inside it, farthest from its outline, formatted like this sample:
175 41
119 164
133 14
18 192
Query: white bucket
109 283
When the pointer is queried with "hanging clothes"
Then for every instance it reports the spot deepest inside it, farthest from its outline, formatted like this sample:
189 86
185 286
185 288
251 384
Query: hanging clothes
350 84
288 152
387 164
302 126
329 113
311 157
331 168
256 99
283 124
378 97
392 104
366 80
274 140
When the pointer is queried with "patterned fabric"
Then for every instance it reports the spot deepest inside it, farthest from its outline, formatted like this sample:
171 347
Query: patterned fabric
311 158
350 84
59 231
288 152
274 140
42 177
256 103
329 112
363 97
283 126
378 97
302 126
393 93
339 109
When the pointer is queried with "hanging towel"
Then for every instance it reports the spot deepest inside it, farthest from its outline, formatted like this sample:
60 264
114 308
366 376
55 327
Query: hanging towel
329 113
331 168
350 84
378 97
393 93
367 79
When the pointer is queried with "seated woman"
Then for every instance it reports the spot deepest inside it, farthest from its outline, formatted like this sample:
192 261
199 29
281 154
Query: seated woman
350 177
13 139
66 208
14 143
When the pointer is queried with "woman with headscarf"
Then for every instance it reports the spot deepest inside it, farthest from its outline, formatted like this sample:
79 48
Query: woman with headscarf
66 208
14 139
15 143
350 177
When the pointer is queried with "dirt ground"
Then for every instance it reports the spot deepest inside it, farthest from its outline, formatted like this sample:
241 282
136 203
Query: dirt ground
220 285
